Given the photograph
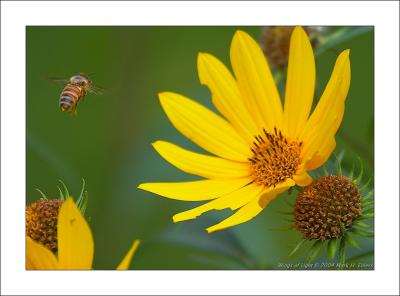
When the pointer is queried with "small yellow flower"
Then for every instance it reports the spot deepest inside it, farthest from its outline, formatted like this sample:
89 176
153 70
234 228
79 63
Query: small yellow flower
75 244
261 148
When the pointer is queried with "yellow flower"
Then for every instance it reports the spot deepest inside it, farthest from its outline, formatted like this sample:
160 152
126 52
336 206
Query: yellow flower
261 148
75 244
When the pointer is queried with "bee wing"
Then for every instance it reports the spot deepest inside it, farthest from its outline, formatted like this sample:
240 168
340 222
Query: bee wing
96 90
58 80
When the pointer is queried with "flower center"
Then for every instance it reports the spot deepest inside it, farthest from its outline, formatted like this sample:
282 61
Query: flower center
275 159
326 203
41 221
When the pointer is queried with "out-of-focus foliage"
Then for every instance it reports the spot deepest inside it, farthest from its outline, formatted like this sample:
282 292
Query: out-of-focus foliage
109 142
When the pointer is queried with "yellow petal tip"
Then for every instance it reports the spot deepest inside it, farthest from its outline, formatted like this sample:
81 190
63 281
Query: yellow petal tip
175 219
346 52
241 36
165 97
156 144
210 230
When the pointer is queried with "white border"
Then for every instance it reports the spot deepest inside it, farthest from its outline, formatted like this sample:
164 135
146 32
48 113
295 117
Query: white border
16 15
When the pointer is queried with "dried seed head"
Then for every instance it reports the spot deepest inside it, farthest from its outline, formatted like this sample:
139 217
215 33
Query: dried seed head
324 205
41 221
275 43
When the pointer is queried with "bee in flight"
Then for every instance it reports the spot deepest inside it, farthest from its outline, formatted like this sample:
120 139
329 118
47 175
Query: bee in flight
76 88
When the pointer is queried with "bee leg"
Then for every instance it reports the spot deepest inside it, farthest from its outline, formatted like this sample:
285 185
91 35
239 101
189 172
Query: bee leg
74 111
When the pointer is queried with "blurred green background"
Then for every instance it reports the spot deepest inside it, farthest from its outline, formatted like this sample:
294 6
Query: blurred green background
109 142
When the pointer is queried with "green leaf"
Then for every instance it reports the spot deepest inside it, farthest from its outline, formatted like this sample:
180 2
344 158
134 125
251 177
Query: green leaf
314 251
297 247
361 232
340 36
332 248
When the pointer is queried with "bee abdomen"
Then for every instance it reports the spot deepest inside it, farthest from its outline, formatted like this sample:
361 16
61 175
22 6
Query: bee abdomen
70 97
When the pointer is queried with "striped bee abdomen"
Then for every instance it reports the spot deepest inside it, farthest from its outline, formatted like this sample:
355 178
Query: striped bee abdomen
70 96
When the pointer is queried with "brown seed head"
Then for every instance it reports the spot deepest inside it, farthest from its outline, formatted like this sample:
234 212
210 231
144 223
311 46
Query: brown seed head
275 42
321 206
41 221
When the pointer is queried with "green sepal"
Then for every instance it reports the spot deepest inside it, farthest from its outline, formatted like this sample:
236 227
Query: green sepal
339 163
314 251
83 198
41 193
361 232
351 241
365 186
368 211
367 203
368 195
351 175
63 195
332 248
366 216
342 250
297 247
325 171
360 175
360 224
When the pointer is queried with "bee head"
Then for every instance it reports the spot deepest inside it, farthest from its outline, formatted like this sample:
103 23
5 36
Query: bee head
80 80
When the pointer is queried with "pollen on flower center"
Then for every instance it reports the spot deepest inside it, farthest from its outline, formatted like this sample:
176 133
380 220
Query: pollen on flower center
41 221
275 159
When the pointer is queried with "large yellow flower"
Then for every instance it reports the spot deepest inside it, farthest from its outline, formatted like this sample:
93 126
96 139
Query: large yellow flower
261 148
75 244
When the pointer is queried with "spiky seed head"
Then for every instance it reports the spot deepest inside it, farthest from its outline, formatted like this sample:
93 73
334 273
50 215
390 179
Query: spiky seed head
326 206
41 221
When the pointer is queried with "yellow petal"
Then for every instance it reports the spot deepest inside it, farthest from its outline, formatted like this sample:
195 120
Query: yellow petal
204 127
232 200
300 84
195 190
124 265
226 95
255 81
75 241
322 155
327 116
302 178
199 164
38 257
253 208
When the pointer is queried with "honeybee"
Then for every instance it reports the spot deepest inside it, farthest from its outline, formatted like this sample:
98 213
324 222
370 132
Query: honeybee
76 88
